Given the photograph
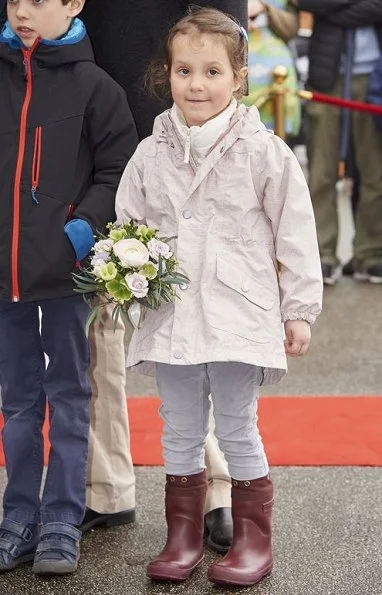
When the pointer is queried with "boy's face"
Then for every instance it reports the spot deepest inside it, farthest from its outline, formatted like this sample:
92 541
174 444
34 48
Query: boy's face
49 19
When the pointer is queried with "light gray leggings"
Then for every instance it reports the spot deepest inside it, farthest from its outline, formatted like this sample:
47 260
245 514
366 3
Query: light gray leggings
234 389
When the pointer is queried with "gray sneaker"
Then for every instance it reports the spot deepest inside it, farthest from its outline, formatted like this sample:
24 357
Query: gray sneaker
372 273
330 273
18 544
59 549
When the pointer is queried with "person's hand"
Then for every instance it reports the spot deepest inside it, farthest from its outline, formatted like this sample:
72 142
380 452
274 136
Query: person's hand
297 340
255 7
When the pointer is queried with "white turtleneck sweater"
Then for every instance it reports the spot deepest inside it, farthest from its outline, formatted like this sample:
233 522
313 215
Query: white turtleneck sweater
198 140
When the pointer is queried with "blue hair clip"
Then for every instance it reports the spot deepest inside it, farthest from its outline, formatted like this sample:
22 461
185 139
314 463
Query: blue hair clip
243 33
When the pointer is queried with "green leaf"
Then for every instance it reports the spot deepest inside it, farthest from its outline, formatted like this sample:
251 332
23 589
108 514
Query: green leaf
91 317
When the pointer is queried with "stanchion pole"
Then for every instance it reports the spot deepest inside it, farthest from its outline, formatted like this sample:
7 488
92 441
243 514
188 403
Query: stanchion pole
278 92
262 101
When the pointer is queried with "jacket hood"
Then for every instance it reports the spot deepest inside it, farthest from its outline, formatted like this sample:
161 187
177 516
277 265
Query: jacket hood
74 46
244 123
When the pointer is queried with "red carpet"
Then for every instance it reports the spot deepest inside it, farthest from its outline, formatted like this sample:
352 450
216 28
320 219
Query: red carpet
295 430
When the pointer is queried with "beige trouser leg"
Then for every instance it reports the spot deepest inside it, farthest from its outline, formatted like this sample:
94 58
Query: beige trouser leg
110 481
219 481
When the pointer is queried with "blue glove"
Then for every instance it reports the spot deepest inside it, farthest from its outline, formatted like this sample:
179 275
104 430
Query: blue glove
81 237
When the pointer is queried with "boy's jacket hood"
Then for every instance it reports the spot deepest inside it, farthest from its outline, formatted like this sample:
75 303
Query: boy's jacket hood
75 46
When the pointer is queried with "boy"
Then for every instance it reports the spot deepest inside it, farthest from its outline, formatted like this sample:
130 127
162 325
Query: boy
66 133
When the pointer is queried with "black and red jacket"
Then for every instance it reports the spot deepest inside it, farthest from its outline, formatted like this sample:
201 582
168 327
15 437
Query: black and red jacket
66 134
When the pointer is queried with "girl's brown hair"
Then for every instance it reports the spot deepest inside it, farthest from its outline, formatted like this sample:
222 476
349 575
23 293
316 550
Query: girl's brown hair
196 22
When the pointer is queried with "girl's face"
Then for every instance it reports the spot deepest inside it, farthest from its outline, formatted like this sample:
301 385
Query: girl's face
48 19
202 80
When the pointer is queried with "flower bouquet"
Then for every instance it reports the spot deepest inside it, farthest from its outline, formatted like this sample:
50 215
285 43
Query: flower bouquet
132 268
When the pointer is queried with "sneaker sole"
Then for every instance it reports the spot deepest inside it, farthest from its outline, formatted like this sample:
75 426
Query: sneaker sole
366 277
18 562
47 567
333 278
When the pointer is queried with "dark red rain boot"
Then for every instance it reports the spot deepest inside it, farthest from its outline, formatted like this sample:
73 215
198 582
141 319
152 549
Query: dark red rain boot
250 556
184 549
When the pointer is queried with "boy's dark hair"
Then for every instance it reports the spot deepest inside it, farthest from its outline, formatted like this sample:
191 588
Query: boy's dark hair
197 22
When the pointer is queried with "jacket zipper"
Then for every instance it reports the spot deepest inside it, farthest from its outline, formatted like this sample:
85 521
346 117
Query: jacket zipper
20 159
36 163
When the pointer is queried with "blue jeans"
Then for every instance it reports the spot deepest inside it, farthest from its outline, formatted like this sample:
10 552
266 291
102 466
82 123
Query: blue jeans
26 385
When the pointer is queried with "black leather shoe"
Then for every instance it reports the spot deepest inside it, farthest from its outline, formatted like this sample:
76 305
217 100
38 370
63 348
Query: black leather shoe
94 519
218 529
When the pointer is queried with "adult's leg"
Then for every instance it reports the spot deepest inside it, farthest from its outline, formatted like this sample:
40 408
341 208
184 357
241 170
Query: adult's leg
323 154
110 481
22 368
368 156
68 389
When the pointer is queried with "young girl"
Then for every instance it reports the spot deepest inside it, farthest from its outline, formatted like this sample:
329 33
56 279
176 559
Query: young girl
236 199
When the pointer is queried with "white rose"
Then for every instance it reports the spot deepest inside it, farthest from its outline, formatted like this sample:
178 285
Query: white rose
138 285
103 246
131 253
158 248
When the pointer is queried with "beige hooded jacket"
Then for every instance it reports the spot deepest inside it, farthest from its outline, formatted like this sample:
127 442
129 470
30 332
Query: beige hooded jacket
244 208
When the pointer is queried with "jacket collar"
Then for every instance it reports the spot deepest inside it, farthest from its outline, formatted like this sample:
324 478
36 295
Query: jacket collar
198 140
74 46
244 123
75 34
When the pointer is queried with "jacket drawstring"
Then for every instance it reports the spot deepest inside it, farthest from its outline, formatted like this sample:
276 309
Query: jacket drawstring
187 148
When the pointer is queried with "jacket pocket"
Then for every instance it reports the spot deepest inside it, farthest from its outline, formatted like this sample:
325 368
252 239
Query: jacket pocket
47 258
239 303
243 284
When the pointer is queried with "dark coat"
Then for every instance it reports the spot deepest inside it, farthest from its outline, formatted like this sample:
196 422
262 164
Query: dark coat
3 13
374 92
65 129
331 19
127 36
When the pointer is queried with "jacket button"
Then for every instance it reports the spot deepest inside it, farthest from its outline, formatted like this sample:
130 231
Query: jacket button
245 288
178 355
187 214
183 286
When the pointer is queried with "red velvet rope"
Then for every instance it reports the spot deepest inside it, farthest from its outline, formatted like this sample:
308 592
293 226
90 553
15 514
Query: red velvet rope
347 103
